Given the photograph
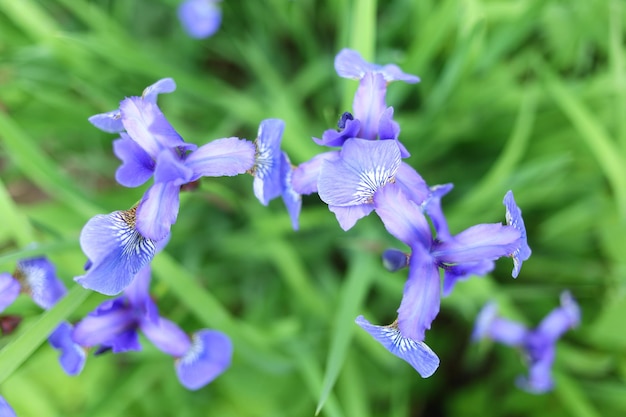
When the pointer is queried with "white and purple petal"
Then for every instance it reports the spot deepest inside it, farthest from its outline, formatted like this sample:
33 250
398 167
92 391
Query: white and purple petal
514 219
116 250
73 356
39 279
200 18
137 166
9 290
222 157
209 356
363 167
268 183
415 352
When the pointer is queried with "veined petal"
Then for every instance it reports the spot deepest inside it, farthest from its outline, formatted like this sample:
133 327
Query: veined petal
369 104
166 336
158 210
514 219
222 157
560 319
137 166
395 259
267 182
39 279
422 295
164 85
305 176
117 251
110 122
350 64
364 166
348 216
210 354
477 243
200 18
415 352
146 125
9 290
292 200
401 217
73 356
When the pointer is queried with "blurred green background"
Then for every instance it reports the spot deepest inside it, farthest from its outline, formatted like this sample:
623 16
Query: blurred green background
523 95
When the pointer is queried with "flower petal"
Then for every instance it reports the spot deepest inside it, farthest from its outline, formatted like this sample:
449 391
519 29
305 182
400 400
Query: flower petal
137 166
292 200
158 210
200 18
348 216
222 157
210 354
514 219
477 243
116 250
394 260
560 319
267 182
5 408
432 207
305 176
364 166
350 64
539 378
9 290
458 272
73 356
411 183
369 104
166 336
39 279
110 122
416 353
164 85
332 137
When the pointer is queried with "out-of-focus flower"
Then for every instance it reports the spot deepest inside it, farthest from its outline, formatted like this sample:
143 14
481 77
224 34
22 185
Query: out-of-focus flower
5 408
73 356
200 18
538 344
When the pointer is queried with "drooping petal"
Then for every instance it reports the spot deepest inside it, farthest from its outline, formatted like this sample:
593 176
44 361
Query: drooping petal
401 217
292 200
112 324
110 122
348 216
267 182
166 336
350 64
73 356
9 290
146 125
164 85
459 272
395 259
117 251
158 210
412 183
39 279
363 167
514 219
415 352
561 319
348 128
421 297
432 207
210 354
222 157
369 104
305 176
5 408
137 166
539 380
200 18
477 243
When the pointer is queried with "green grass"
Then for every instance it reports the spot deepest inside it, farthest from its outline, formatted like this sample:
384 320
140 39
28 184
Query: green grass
529 96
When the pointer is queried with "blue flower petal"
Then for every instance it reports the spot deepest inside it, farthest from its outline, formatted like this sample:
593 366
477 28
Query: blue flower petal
267 182
110 122
137 166
5 408
73 356
432 207
9 290
332 137
348 216
200 18
369 104
395 259
222 157
210 354
292 200
158 210
166 336
458 272
561 319
39 279
416 353
477 243
350 64
164 85
514 219
305 177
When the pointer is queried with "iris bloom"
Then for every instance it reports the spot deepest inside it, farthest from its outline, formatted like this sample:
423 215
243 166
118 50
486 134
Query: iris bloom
537 344
200 18
273 171
116 323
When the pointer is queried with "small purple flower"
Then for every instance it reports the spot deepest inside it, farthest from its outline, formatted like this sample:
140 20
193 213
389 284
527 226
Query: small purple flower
38 278
5 408
349 183
200 18
350 64
116 251
273 171
416 353
73 356
208 356
538 344
9 290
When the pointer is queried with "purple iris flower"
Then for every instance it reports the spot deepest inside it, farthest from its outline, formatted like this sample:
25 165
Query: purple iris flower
538 344
461 253
200 18
116 251
116 323
73 355
273 171
37 277
5 408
